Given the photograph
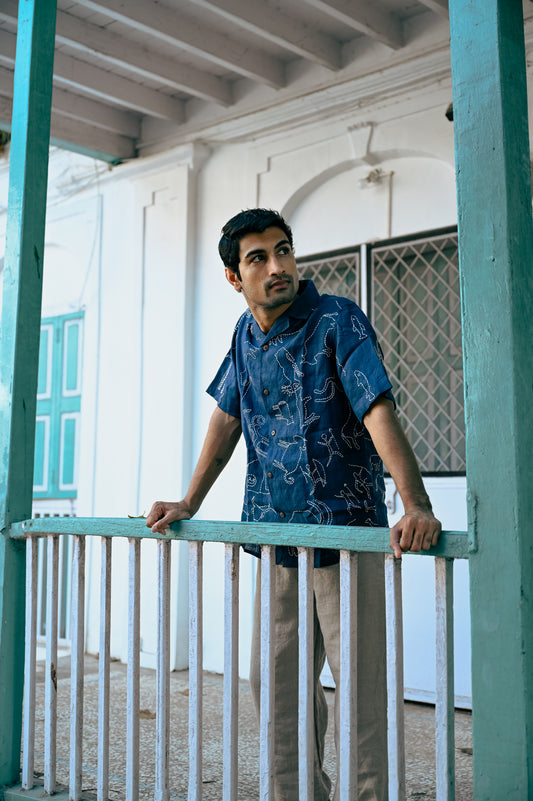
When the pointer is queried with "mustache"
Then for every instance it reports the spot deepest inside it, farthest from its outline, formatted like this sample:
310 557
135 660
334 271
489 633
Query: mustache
281 277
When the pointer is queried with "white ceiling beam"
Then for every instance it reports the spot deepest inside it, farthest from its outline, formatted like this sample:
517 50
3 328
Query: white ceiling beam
78 136
94 113
83 108
275 26
96 81
101 83
367 18
438 6
118 50
165 23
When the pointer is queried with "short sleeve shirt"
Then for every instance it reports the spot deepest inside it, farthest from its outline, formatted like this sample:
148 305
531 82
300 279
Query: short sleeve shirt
301 392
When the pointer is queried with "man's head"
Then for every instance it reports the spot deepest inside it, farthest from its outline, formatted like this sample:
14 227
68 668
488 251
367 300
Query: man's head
250 221
256 248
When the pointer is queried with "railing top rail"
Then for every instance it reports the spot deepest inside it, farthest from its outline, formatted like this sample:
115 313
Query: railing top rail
452 544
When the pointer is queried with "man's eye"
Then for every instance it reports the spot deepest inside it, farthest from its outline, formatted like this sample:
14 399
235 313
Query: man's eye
284 251
258 257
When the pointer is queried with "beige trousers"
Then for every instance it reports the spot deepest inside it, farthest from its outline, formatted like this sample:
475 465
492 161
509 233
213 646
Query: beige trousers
371 679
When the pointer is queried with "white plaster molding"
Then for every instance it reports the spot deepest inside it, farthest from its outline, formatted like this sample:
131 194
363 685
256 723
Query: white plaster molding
311 185
360 137
349 96
288 176
194 155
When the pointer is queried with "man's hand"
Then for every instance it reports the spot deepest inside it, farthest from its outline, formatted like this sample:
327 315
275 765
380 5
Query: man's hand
163 513
418 530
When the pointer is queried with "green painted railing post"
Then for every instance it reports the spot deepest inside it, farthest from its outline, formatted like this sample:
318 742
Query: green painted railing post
496 260
19 345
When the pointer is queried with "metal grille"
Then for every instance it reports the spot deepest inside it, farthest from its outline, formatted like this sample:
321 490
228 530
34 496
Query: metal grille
415 309
334 273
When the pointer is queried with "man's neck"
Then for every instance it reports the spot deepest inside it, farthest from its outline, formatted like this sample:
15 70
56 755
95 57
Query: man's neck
265 318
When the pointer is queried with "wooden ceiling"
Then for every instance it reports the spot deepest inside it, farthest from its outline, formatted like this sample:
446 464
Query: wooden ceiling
135 76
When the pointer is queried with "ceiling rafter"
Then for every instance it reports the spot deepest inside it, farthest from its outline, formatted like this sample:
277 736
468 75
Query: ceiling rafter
101 83
91 112
256 16
92 140
438 6
118 61
104 84
161 22
84 109
118 50
365 17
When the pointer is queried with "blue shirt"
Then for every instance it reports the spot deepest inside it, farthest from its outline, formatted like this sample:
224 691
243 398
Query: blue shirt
301 392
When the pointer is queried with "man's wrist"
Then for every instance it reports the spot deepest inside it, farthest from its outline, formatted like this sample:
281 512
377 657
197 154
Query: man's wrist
418 504
191 506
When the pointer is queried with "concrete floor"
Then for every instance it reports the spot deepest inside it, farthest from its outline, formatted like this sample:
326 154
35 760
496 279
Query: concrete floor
420 751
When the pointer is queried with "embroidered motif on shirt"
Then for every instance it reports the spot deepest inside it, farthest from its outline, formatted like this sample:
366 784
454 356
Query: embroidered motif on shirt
300 392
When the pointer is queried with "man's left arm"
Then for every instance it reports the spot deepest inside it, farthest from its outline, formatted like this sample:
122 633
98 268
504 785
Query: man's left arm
418 528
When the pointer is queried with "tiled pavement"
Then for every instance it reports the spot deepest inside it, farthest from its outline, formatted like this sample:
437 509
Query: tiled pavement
420 752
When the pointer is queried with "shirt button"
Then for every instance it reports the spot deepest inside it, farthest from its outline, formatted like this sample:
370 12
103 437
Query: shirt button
265 347
270 475
282 514
273 432
266 392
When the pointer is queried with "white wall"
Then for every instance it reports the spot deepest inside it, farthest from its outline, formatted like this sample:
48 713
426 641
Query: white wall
159 313
313 177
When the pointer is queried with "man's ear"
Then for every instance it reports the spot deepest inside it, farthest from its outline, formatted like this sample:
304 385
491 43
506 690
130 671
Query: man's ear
232 278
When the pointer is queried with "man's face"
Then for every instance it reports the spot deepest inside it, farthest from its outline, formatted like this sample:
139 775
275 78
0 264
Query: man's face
268 275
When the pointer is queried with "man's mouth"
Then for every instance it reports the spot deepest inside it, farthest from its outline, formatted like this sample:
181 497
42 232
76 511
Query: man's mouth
279 283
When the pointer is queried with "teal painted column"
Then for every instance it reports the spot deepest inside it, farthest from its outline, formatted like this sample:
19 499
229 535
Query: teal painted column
496 261
19 345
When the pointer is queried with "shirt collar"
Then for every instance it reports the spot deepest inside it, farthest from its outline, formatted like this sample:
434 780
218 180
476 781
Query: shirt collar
305 302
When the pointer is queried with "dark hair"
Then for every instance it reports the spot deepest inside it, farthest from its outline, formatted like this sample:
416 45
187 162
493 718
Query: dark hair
250 221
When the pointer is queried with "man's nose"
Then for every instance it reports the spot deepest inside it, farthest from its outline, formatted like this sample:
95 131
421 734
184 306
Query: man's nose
274 266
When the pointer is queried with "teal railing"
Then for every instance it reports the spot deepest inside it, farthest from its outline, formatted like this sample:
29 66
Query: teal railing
348 540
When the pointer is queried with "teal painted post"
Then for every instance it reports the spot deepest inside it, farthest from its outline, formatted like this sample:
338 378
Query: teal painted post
19 346
496 261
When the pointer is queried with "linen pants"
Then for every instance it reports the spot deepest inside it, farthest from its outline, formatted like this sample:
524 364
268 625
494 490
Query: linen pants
371 676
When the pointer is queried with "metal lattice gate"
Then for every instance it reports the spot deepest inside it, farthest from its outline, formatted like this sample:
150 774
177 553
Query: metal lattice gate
335 273
415 308
416 311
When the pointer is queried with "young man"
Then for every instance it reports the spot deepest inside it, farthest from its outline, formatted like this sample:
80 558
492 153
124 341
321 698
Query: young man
304 381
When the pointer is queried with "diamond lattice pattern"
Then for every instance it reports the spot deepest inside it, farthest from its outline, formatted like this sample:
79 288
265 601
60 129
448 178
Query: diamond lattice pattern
415 310
334 275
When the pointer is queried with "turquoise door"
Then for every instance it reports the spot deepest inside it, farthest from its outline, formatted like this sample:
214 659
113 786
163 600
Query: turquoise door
57 425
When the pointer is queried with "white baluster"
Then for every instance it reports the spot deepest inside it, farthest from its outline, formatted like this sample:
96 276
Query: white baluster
195 670
162 790
348 760
266 725
133 673
103 669
50 679
395 709
76 669
445 703
29 664
231 672
306 681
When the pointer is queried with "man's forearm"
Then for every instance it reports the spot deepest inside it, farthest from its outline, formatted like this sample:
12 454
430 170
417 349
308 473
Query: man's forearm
418 528
394 449
222 436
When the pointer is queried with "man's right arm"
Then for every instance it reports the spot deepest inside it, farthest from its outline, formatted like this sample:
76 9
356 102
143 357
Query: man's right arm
222 436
